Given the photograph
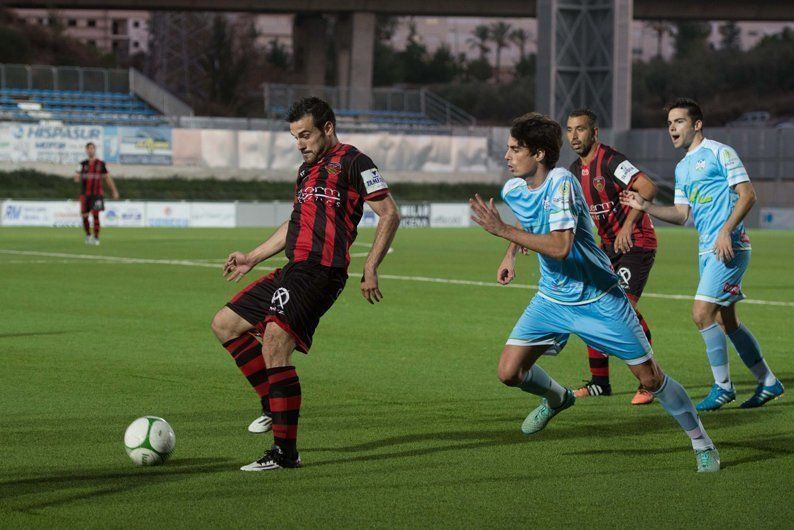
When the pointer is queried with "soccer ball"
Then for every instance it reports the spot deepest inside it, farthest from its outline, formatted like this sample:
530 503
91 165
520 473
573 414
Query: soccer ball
149 441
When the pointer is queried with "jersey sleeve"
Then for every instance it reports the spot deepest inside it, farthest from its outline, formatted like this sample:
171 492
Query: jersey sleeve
732 167
103 169
622 170
366 178
562 211
679 195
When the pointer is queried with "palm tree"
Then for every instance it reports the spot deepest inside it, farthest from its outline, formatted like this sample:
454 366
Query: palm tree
520 37
479 40
499 34
662 28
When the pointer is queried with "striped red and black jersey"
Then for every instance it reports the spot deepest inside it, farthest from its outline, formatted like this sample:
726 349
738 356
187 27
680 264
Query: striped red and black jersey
329 203
91 174
609 173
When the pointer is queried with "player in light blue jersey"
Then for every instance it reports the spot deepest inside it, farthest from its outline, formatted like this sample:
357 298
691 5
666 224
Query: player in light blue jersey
711 182
577 293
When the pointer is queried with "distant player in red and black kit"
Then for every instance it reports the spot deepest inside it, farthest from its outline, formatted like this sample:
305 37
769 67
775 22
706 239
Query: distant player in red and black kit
92 198
284 307
627 235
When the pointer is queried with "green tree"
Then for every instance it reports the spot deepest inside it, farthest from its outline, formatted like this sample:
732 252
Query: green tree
277 55
731 35
499 33
691 38
520 37
223 67
479 41
442 67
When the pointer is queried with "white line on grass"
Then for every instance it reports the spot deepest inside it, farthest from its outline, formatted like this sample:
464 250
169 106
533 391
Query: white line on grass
427 279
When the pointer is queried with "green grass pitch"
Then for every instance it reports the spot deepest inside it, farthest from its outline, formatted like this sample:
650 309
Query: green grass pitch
404 423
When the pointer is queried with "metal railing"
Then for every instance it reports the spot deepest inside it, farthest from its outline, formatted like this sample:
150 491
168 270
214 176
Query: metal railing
42 77
369 104
156 96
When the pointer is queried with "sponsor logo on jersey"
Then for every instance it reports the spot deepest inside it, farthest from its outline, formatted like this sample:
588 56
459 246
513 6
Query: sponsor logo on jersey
373 181
320 194
625 171
697 198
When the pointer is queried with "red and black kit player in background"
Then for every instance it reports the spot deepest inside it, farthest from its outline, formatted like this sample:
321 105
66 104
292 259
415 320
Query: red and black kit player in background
92 197
285 306
627 235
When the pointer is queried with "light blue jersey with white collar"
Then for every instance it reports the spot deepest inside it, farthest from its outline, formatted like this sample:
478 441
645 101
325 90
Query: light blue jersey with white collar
559 204
704 180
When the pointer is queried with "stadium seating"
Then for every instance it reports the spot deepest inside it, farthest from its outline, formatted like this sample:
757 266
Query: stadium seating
71 106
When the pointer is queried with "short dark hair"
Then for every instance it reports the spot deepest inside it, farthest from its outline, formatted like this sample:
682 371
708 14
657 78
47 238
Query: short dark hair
320 111
591 116
535 132
691 106
90 143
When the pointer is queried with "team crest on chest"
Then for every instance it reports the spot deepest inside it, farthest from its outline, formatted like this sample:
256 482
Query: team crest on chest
333 168
700 165
599 183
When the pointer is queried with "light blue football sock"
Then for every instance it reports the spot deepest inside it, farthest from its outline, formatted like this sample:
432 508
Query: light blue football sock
538 382
717 352
676 402
750 352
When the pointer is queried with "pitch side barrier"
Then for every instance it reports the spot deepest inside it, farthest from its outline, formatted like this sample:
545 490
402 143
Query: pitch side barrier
202 214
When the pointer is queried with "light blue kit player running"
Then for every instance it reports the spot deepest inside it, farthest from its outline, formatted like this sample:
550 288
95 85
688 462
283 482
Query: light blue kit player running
578 292
712 182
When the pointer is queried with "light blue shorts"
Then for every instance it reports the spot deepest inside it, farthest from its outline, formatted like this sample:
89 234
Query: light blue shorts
721 283
608 324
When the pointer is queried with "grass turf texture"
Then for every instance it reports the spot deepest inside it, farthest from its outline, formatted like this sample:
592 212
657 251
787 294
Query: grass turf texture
403 422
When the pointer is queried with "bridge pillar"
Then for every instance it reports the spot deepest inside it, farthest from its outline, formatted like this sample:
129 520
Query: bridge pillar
355 41
584 59
309 45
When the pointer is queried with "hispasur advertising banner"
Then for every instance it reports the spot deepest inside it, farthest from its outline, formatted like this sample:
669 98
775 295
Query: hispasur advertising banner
59 144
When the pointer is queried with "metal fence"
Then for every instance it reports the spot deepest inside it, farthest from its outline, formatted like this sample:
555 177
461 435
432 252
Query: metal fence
369 103
40 77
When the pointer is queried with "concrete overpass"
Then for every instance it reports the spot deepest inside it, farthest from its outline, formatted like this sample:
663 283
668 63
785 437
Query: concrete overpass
780 10
584 48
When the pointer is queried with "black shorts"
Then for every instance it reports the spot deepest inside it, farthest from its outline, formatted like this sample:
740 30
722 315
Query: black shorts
632 269
294 298
92 203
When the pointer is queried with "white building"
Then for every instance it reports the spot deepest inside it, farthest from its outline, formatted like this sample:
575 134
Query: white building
121 32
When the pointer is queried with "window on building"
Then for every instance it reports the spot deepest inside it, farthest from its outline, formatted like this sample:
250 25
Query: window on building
91 23
135 44
136 24
91 42
72 23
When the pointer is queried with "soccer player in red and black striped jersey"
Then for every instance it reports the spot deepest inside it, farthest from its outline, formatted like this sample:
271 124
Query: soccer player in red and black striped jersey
90 175
627 235
285 306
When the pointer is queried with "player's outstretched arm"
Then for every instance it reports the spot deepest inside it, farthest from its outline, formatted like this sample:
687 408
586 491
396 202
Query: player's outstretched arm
238 264
643 185
723 246
676 214
555 245
388 222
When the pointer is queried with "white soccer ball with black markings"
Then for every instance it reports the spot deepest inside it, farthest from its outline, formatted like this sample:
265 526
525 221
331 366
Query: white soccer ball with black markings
149 441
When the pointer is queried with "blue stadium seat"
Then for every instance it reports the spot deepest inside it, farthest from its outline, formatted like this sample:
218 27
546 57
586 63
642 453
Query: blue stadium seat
74 106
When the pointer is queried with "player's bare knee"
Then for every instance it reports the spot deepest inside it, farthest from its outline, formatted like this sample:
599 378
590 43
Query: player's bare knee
508 375
222 327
